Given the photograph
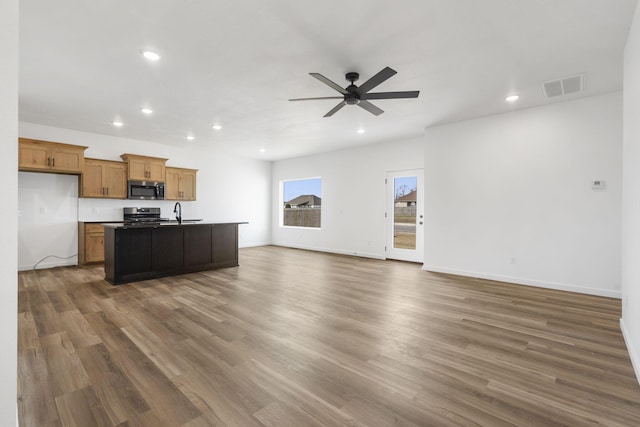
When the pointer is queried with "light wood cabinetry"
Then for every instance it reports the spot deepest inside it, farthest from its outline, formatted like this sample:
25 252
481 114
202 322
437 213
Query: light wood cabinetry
143 168
45 156
104 179
180 184
90 242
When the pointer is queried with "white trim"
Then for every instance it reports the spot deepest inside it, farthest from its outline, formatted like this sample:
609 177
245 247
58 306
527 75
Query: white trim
253 245
51 264
528 282
631 349
332 251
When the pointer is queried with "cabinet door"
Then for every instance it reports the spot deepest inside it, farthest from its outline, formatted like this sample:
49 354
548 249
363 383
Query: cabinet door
94 247
92 185
67 159
137 169
198 250
225 245
167 250
155 170
188 185
115 180
172 185
33 156
133 254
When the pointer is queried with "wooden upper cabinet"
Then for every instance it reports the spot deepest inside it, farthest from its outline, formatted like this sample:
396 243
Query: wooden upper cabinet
45 156
143 168
180 184
104 179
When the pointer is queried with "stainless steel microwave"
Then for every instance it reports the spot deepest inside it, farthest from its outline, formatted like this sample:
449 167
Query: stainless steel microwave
145 190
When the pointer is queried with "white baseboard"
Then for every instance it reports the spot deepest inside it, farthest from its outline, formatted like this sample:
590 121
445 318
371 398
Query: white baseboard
527 282
252 245
631 349
334 251
50 264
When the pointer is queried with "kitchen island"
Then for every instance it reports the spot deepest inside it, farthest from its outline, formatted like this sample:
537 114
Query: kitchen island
141 252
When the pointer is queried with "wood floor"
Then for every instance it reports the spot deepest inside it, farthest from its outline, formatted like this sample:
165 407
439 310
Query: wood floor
297 338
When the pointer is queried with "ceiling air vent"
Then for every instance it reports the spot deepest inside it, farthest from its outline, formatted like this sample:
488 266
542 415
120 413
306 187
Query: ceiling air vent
563 86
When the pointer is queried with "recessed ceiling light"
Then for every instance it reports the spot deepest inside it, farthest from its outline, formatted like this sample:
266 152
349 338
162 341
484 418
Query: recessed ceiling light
216 127
191 137
512 98
117 123
150 55
146 110
262 150
360 130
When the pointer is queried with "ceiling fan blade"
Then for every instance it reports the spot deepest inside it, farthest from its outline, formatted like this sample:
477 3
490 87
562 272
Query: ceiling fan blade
334 109
313 99
376 80
391 95
370 107
329 83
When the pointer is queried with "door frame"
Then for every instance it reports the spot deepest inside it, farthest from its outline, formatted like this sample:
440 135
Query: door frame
410 255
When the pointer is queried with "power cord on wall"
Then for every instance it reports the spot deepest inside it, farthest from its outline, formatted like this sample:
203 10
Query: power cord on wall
53 256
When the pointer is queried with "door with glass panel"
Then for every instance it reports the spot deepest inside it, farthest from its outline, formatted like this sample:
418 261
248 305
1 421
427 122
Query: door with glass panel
405 215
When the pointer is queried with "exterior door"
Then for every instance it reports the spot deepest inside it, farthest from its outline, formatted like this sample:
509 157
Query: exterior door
405 215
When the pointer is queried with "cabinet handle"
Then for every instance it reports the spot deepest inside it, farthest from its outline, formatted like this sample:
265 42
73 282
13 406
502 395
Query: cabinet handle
48 161
107 191
53 161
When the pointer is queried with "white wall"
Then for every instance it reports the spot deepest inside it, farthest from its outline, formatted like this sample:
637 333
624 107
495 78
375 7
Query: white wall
229 188
48 215
8 217
519 185
631 196
353 196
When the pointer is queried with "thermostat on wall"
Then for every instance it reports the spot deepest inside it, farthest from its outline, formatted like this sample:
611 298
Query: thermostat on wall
598 184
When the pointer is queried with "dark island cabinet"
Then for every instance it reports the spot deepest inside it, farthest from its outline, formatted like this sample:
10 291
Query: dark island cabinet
140 253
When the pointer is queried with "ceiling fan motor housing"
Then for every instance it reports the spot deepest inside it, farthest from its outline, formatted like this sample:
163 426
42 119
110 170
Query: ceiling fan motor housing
352 77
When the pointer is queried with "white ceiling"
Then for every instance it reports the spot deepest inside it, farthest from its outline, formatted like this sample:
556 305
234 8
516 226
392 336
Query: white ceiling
237 62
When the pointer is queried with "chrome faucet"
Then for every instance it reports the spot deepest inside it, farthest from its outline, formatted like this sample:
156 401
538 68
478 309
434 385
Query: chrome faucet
177 209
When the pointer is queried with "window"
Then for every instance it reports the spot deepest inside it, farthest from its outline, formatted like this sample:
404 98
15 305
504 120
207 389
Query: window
302 203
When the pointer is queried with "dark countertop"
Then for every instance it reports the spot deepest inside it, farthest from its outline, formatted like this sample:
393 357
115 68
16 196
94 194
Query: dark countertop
185 222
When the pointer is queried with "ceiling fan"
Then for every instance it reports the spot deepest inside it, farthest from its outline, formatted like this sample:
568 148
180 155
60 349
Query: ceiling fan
359 95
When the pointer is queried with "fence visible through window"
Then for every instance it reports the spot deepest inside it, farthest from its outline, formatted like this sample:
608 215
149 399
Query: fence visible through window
302 203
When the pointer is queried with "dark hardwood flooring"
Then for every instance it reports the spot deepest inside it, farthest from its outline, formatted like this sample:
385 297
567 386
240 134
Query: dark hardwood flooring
297 338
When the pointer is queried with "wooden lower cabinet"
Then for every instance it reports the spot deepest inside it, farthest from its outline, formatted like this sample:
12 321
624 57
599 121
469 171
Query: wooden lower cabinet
140 253
90 242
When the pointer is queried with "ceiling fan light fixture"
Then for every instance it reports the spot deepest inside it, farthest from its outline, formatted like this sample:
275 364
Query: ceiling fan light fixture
150 55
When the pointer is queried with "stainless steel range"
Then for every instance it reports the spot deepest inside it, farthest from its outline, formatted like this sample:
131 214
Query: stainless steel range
133 216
